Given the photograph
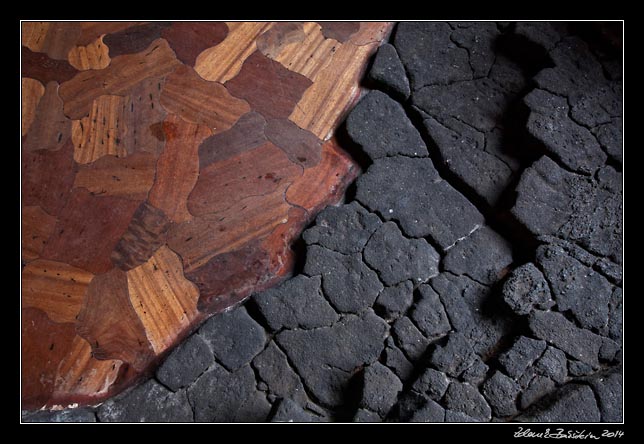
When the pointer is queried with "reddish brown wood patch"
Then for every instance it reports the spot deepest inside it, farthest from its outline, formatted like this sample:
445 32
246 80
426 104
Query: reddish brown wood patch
167 168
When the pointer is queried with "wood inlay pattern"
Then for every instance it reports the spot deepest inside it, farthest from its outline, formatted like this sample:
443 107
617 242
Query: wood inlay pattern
167 169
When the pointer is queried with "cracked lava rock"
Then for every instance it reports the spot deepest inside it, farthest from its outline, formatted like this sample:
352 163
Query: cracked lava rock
475 273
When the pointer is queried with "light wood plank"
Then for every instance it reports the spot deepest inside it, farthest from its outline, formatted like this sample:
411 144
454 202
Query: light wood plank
164 300
55 288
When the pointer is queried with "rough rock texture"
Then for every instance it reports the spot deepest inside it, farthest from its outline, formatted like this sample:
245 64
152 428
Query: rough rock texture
348 283
477 280
185 363
149 402
573 403
345 229
380 389
326 357
296 303
411 192
380 126
397 258
388 73
394 301
234 337
483 256
501 392
526 289
289 411
553 201
223 396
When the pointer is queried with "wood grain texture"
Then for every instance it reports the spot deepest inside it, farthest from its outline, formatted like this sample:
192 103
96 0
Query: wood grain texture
340 31
243 269
37 226
202 102
32 91
48 177
280 35
246 134
189 39
110 324
134 38
239 177
40 67
101 132
201 238
164 300
53 38
164 179
88 229
144 117
177 169
122 75
301 146
44 345
267 86
80 374
56 288
334 159
325 103
371 32
90 31
144 236
94 55
129 177
50 129
223 61
309 56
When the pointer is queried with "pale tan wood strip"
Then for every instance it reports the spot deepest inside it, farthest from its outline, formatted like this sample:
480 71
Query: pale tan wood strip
54 287
32 91
324 104
95 55
164 300
223 61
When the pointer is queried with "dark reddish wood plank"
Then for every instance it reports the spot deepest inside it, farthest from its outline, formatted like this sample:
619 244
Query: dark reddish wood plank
199 239
56 169
189 39
269 88
134 38
90 31
37 226
246 134
143 118
144 236
239 177
110 324
88 229
41 67
240 270
301 146
44 346
177 169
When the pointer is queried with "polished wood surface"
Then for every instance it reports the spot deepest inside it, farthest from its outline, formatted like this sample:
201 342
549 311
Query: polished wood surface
166 170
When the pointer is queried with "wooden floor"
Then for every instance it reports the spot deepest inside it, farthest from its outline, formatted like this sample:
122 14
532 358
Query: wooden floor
166 169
